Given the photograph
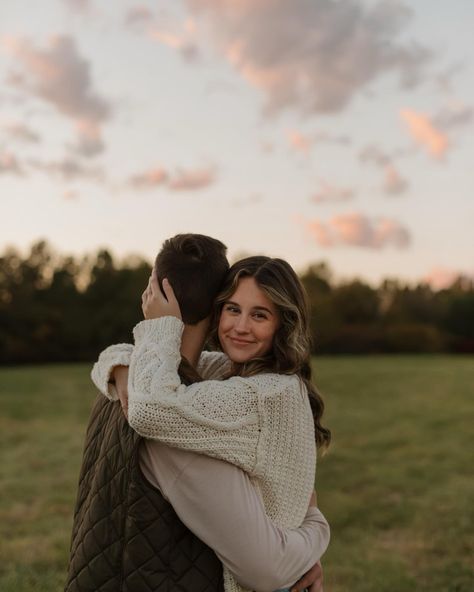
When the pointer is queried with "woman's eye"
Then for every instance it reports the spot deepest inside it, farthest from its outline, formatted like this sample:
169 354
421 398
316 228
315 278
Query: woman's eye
231 308
259 316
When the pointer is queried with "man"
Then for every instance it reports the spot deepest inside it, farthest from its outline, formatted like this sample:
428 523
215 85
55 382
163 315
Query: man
126 536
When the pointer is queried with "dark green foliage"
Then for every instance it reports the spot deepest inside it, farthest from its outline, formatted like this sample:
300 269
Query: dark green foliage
56 308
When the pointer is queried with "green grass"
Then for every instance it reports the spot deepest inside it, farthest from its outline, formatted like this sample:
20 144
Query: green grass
397 484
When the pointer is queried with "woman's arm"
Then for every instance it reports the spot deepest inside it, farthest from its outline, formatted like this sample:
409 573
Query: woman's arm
219 503
211 366
219 418
103 370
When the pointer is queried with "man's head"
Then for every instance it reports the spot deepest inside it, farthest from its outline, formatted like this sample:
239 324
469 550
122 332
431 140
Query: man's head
195 266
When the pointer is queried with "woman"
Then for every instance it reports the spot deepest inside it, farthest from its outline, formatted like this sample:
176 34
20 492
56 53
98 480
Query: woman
265 417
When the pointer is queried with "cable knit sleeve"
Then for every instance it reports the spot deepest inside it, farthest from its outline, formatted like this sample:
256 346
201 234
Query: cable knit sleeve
223 419
114 355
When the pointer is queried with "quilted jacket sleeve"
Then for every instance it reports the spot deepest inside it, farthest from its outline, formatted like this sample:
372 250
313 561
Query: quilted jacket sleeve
217 418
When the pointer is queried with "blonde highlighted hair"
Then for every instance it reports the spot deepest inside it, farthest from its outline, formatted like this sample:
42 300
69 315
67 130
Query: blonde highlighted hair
291 348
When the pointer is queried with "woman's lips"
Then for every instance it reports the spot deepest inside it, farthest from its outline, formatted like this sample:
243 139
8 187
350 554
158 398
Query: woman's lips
241 342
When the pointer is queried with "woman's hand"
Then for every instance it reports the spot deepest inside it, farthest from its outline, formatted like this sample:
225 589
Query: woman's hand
156 305
311 581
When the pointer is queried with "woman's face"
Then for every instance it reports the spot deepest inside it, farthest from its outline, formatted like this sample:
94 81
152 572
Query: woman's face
248 322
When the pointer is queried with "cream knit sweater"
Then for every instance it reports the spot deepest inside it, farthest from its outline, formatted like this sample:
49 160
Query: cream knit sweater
263 423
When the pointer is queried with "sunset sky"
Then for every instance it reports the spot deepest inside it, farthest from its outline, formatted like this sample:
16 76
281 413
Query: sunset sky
313 130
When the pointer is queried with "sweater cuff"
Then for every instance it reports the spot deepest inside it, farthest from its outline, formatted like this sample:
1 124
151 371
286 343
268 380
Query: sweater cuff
165 331
115 355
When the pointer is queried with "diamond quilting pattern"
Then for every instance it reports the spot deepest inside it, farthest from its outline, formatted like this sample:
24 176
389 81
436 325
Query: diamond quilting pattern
126 537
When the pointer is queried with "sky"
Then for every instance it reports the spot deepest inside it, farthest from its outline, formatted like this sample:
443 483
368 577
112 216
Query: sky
313 130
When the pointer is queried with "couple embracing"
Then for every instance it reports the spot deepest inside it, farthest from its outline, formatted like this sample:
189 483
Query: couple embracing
199 466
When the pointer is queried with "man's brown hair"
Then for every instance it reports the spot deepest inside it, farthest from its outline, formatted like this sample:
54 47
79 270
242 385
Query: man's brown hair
195 266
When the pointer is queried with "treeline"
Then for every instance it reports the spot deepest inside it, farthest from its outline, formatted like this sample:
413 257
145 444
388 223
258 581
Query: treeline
57 308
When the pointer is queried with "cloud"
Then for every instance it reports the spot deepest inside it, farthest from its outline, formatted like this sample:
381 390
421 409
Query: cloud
374 154
191 180
79 5
68 169
393 182
454 116
267 146
440 278
21 132
70 194
444 80
313 55
9 164
61 77
327 138
138 16
299 141
180 36
424 131
331 193
357 230
149 179
181 180
89 141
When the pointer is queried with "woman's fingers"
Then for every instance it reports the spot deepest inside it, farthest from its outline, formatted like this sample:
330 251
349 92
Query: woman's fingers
169 293
172 305
154 287
312 580
157 303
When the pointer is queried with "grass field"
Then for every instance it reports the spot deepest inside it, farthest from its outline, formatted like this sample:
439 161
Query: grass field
397 485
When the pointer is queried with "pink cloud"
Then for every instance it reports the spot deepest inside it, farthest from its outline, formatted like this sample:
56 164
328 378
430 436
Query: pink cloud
332 193
61 77
68 169
393 182
357 230
9 164
299 141
79 5
181 180
191 180
313 56
453 116
20 131
440 278
138 15
150 179
425 133
178 35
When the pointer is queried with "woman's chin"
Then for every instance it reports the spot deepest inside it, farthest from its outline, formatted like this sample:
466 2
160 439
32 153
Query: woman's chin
238 356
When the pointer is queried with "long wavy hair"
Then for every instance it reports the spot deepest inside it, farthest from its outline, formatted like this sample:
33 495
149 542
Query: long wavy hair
291 347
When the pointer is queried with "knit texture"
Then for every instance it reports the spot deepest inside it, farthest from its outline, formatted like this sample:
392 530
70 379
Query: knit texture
115 355
263 423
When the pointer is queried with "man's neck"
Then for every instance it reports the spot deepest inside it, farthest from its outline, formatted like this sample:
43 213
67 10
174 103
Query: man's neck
192 342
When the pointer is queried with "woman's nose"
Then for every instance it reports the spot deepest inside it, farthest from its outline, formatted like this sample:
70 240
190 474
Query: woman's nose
241 324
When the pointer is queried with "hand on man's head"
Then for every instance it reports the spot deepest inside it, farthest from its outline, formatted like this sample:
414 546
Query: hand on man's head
155 304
